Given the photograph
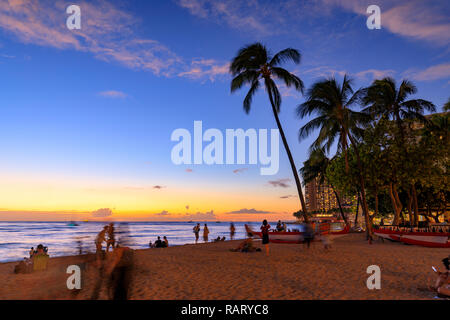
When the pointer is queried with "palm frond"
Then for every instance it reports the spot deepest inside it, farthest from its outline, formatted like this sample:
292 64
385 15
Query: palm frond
285 55
249 96
288 78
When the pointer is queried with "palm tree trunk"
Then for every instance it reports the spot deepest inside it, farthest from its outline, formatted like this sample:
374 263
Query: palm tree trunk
357 209
340 207
376 201
291 159
416 206
363 188
395 205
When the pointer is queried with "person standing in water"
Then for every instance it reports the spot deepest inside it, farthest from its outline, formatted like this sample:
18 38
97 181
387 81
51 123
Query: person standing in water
232 230
265 235
196 232
111 239
205 233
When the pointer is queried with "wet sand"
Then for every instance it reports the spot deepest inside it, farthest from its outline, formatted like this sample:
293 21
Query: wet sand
211 271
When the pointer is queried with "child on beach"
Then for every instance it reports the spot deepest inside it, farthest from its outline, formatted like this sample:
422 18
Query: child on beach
265 235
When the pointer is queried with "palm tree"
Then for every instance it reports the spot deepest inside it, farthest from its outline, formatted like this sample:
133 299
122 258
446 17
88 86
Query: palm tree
446 106
384 99
316 168
331 102
252 65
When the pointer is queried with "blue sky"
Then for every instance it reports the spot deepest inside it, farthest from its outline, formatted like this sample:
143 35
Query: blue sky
86 114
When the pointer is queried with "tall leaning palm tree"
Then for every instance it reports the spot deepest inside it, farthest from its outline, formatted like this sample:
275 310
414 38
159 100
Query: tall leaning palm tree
254 65
316 168
332 103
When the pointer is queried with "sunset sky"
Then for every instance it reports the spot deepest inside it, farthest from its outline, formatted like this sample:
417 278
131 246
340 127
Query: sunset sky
86 115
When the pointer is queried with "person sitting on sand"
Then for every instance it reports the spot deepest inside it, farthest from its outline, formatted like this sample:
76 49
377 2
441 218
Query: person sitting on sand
150 245
205 233
158 243
217 239
246 246
442 285
279 226
223 239
165 242
31 252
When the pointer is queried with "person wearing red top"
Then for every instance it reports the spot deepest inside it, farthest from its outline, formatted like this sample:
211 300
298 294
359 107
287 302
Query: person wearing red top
265 235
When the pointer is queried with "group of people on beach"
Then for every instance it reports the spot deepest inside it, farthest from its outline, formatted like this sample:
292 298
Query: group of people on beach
206 232
159 243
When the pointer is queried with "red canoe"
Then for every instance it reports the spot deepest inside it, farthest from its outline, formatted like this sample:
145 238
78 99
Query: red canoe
298 236
426 239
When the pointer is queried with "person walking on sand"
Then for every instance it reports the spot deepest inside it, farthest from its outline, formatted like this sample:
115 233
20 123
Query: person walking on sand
197 232
100 238
265 235
205 233
232 230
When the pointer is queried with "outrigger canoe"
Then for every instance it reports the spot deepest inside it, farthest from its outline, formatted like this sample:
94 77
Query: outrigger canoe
333 228
278 237
421 238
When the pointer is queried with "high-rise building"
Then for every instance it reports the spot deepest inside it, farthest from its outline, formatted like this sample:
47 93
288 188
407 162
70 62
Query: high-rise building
321 197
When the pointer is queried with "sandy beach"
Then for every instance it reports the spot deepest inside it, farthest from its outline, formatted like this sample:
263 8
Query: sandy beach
211 271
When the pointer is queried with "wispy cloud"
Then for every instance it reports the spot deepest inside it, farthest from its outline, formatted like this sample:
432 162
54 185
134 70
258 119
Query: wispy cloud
113 94
413 19
102 213
202 216
436 72
238 14
372 74
240 170
248 211
287 196
110 34
283 183
158 187
205 69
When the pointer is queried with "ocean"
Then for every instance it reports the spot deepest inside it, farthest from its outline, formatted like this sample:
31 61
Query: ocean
17 238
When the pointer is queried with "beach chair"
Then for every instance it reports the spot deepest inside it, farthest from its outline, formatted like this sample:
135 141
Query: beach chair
40 262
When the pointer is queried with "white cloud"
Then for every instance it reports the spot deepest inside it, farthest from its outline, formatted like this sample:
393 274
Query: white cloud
101 213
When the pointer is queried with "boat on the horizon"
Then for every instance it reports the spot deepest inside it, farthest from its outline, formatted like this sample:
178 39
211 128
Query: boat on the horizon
72 224
437 237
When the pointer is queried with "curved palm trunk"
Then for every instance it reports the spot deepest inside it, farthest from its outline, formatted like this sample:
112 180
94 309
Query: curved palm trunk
291 159
339 204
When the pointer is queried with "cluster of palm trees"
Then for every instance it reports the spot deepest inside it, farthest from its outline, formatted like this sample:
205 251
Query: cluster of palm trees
333 107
